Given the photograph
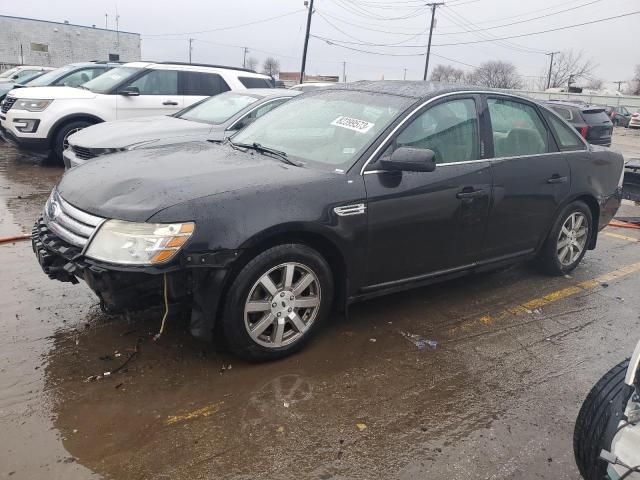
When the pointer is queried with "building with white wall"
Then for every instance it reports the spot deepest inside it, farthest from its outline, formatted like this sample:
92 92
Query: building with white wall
53 44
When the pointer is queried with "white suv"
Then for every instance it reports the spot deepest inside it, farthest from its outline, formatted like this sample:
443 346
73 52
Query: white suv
40 119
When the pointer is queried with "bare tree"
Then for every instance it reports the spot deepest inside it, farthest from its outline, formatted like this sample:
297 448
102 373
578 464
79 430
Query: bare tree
495 74
252 63
595 83
271 66
570 65
447 73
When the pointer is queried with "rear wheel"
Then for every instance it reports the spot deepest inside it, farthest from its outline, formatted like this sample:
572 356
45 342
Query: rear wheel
598 421
568 240
277 301
61 140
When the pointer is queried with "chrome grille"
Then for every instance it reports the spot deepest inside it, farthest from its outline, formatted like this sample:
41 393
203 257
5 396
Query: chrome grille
68 222
8 103
82 152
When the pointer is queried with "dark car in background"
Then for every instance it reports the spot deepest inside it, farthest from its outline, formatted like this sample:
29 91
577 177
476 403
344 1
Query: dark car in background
619 115
338 195
213 118
591 121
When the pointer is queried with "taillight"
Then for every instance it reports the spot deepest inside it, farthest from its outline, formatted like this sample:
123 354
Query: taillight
584 131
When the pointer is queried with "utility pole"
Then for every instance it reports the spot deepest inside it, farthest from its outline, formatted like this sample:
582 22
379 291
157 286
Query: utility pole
433 15
106 21
404 76
244 58
551 54
190 48
619 82
306 39
344 72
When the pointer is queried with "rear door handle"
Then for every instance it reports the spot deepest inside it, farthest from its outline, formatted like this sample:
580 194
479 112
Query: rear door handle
169 102
557 179
465 194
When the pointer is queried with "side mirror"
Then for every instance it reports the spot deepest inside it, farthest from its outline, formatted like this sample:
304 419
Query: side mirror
129 91
410 160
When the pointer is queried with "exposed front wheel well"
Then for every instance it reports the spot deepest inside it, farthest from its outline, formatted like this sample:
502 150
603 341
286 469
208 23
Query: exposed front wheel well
593 205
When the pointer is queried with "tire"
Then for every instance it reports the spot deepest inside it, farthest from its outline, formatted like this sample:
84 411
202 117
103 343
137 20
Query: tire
59 141
598 421
550 256
278 325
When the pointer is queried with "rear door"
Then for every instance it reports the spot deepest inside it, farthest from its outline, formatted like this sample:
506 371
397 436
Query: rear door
426 222
158 95
531 177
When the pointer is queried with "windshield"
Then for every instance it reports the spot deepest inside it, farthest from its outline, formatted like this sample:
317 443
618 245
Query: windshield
49 77
28 77
217 109
9 72
110 79
328 128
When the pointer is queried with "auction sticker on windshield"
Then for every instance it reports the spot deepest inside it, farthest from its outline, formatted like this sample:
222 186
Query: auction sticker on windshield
353 124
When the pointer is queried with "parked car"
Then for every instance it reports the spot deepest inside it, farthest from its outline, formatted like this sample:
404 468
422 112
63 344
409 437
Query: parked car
72 75
606 440
591 121
618 115
17 73
40 119
634 120
307 87
336 196
6 87
214 118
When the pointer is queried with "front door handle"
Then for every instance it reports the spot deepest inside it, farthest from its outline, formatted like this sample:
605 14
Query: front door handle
557 179
466 194
169 102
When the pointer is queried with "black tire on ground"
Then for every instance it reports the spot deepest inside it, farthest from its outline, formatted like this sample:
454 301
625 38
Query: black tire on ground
548 255
233 321
64 131
598 421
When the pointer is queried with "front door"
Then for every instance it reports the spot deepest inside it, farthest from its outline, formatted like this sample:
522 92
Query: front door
531 178
158 95
425 222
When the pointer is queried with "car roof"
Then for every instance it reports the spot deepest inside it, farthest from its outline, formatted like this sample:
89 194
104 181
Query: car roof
580 106
195 67
269 92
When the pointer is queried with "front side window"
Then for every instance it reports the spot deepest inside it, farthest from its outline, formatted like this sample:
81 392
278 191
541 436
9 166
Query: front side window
217 109
114 77
517 129
202 84
157 82
567 137
335 129
449 129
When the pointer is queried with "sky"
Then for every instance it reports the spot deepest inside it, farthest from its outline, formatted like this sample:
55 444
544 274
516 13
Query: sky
370 26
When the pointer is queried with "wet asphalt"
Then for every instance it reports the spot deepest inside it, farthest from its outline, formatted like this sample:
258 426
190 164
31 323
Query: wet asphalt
495 396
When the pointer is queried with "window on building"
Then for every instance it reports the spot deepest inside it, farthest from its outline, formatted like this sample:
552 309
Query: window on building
39 47
114 57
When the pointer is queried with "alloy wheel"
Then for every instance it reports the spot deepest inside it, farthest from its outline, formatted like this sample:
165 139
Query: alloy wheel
282 305
572 238
65 142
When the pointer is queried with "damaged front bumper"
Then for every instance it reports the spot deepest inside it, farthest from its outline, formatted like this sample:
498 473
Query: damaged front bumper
194 279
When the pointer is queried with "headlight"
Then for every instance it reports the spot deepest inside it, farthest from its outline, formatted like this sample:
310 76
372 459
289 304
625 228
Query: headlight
132 243
32 105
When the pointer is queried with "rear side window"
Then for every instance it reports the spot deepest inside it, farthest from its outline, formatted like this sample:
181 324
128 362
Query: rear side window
253 82
517 129
563 112
567 137
202 84
595 117
80 76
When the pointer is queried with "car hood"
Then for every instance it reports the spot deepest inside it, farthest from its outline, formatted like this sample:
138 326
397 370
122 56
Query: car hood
137 184
45 93
123 133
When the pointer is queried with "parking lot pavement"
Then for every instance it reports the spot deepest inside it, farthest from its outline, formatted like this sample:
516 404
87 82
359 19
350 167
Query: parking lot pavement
496 397
627 142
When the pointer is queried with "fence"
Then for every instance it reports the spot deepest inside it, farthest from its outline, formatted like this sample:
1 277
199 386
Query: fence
631 102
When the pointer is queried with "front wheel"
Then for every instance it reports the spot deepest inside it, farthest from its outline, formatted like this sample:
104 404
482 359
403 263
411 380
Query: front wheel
568 240
61 140
276 302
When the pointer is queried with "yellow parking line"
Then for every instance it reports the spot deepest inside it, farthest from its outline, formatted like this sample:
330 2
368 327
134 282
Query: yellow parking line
622 237
539 302
201 412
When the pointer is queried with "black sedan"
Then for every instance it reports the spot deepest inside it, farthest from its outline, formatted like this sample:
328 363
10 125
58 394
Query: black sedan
337 196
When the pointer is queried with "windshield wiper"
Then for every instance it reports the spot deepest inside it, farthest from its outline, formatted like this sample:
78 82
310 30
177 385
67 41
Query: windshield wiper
262 149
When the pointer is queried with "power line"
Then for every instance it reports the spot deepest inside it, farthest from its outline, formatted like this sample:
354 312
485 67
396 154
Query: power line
227 28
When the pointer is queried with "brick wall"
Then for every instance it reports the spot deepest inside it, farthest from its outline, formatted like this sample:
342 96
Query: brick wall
65 43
